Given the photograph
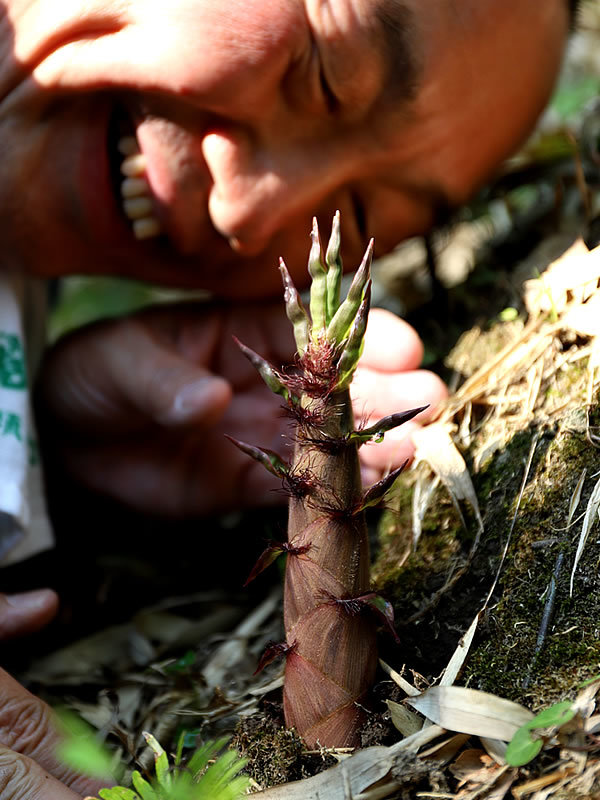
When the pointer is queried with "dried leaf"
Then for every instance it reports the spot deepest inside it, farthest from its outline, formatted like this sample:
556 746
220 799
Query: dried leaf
585 319
591 513
435 446
403 719
464 710
406 687
457 660
356 774
576 497
422 497
573 275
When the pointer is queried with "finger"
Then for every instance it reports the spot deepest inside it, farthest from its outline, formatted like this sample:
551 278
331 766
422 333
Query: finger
26 612
120 374
23 779
376 394
391 344
27 728
397 447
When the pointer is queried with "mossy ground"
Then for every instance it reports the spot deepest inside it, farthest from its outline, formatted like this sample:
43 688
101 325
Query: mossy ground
506 658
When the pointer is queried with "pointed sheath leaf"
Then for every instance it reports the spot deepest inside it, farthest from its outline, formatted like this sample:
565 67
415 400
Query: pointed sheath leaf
270 460
343 318
377 431
272 651
265 370
384 610
354 344
266 558
334 273
375 494
296 313
318 287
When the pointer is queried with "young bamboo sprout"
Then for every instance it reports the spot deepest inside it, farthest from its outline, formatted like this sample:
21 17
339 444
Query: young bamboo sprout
330 649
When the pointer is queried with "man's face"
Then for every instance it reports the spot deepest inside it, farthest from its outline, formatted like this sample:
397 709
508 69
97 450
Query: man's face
252 116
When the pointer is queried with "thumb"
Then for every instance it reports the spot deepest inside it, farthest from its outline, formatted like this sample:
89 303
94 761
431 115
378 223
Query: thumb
26 612
120 376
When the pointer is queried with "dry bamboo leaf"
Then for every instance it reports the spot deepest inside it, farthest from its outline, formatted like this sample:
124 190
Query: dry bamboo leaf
591 513
495 748
421 500
556 777
464 710
512 360
403 719
499 789
443 752
233 650
457 660
471 765
573 275
584 319
575 498
406 687
584 783
585 702
480 776
85 659
435 446
356 774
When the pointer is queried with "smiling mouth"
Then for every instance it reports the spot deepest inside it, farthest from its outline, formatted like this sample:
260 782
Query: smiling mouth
128 178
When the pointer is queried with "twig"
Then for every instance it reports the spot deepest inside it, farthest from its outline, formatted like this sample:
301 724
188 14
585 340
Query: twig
546 617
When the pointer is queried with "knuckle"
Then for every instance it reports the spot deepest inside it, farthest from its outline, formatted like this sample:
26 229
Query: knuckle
17 780
24 723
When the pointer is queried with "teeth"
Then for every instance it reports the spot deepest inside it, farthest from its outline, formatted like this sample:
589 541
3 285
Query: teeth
127 145
146 228
134 165
138 207
135 187
137 200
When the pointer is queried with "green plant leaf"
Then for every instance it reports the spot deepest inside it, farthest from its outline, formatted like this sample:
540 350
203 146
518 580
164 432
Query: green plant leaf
142 786
187 660
80 749
161 762
508 314
554 716
118 793
522 748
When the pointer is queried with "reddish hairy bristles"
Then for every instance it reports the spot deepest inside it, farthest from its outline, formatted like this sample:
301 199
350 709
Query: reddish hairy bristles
330 650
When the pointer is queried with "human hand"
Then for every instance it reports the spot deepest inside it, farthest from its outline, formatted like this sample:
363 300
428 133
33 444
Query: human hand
28 738
29 769
137 408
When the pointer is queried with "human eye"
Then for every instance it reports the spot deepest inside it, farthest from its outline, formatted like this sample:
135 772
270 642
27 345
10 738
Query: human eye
321 79
330 98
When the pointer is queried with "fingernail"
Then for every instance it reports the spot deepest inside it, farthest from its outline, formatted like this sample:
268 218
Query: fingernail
192 400
29 601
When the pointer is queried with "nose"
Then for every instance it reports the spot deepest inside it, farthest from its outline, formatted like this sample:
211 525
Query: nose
256 188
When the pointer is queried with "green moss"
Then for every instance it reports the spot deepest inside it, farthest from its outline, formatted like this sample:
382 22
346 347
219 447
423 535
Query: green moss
275 754
503 658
